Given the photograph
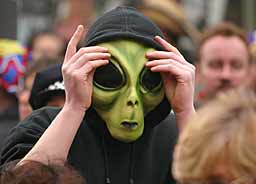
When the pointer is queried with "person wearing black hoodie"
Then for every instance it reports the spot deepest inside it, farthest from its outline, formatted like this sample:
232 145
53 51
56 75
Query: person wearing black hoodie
115 126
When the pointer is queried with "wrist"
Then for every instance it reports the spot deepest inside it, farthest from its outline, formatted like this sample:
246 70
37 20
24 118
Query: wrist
182 117
74 107
185 112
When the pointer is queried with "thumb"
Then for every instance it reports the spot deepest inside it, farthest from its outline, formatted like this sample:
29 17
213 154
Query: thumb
75 39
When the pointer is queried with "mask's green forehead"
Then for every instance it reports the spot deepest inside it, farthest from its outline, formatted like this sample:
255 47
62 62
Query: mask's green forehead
131 53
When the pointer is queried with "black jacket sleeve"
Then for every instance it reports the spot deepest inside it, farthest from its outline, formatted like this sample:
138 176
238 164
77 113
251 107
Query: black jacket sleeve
23 136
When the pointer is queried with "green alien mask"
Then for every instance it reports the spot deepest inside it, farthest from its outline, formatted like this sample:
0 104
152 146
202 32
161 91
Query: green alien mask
125 90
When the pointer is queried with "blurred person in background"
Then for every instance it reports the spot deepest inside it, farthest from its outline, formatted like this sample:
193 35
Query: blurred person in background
14 59
252 41
33 172
218 145
169 15
104 6
72 13
48 88
26 83
223 61
46 44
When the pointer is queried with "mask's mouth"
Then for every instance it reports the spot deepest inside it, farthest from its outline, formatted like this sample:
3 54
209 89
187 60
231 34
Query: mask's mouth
129 125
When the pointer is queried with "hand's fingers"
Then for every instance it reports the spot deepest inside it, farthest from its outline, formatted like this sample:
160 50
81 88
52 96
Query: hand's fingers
92 65
87 50
158 62
71 48
167 45
89 57
173 70
165 54
176 71
154 55
153 63
171 66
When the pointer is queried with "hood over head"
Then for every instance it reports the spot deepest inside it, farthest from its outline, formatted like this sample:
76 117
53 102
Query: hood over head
124 23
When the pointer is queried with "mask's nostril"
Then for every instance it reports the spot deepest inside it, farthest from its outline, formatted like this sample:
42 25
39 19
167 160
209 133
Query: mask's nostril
131 103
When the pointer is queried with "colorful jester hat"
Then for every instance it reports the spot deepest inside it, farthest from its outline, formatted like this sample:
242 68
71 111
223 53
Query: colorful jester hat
14 59
127 96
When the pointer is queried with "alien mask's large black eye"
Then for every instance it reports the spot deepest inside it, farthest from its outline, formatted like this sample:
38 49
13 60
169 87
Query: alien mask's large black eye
151 81
108 77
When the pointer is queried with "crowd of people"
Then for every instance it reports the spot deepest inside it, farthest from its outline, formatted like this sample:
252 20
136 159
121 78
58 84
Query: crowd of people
120 101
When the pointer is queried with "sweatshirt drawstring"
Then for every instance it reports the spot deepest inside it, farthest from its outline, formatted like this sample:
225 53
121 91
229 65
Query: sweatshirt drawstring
131 174
106 163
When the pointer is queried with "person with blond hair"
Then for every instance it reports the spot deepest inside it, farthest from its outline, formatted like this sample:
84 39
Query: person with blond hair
218 145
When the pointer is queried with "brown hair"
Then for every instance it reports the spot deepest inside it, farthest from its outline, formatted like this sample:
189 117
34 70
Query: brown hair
253 52
225 128
41 64
35 35
225 29
32 172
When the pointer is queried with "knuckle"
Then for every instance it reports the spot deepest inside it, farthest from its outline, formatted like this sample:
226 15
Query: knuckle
76 75
176 53
193 71
192 67
64 69
175 49
169 66
171 55
82 50
89 65
98 47
70 44
70 73
187 76
85 57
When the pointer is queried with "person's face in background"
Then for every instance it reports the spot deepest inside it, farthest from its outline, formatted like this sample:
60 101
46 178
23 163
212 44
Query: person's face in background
23 96
224 64
57 100
47 45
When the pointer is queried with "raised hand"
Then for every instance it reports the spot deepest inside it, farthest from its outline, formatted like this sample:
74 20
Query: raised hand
178 76
78 69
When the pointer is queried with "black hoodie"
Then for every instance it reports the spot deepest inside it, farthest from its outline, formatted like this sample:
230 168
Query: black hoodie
99 157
